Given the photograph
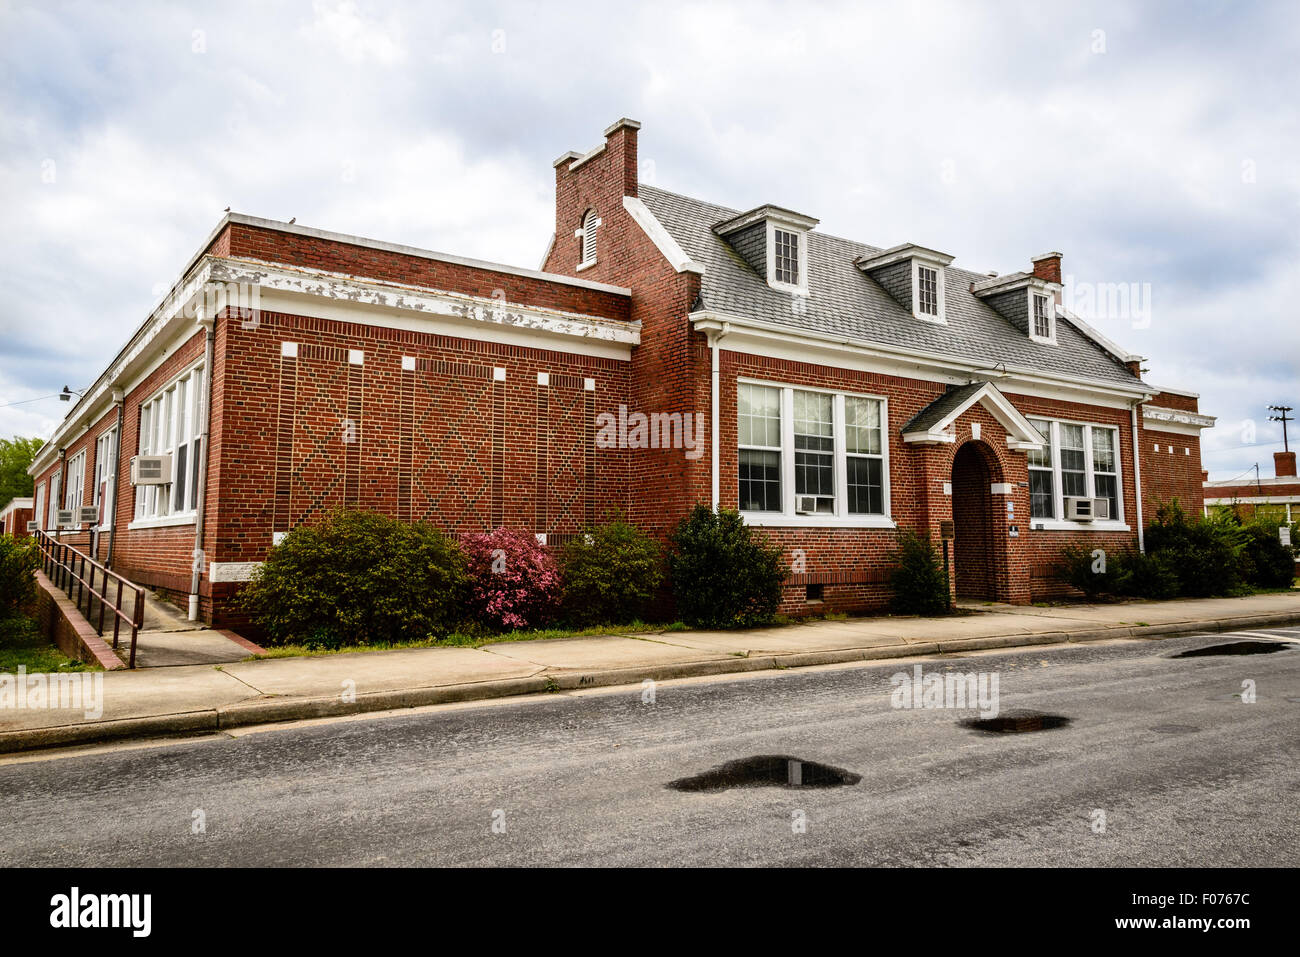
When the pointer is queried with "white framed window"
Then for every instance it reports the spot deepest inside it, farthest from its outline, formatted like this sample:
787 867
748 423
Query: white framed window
105 475
170 425
811 456
52 515
76 479
1042 317
787 257
760 448
927 291
1042 478
1079 459
590 226
38 513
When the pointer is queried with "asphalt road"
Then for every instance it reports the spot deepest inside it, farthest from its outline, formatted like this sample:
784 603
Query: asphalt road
1185 772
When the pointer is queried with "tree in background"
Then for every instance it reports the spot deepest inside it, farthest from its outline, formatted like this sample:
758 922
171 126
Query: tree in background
15 455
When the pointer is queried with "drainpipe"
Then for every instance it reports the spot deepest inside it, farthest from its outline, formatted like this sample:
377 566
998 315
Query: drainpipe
1137 479
119 401
63 491
200 504
715 337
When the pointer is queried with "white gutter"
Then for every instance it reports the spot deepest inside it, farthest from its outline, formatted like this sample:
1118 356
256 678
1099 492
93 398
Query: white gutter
1137 480
706 319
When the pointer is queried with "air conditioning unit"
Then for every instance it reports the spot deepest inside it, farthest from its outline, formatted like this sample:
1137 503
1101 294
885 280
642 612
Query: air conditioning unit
1079 509
33 526
89 515
151 469
65 517
1101 508
805 504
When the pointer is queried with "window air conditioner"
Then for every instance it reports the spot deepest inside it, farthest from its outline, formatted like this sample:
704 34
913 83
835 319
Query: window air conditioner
151 469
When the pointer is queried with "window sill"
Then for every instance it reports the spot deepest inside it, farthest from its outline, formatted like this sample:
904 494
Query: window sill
167 522
581 266
779 520
1063 525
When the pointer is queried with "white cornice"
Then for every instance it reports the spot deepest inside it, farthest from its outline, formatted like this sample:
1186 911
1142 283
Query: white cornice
777 214
663 240
379 303
1020 434
1181 421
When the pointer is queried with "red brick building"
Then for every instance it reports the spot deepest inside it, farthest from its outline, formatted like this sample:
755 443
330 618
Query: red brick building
1277 497
668 352
15 515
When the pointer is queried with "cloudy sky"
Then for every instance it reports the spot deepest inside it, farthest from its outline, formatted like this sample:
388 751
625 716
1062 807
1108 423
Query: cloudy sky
1155 145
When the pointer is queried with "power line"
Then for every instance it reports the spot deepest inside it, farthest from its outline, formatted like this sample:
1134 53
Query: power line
25 401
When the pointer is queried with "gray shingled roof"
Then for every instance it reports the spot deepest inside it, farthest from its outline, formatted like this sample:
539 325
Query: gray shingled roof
845 302
933 413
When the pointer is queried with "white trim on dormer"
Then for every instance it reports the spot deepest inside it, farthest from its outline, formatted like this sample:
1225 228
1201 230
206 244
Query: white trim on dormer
800 285
1049 311
940 318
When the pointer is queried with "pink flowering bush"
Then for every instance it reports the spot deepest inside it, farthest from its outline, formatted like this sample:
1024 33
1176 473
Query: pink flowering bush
514 580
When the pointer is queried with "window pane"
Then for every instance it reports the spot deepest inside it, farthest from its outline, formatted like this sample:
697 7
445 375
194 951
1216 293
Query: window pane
927 290
194 474
760 416
1107 488
178 483
1103 450
862 425
1073 476
760 481
1041 504
1042 458
814 444
786 251
866 489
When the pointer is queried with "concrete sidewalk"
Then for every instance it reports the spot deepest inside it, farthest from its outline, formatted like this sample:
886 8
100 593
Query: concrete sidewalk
188 699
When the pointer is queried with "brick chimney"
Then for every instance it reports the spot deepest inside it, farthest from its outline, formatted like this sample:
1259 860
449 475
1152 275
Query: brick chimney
1205 475
1284 464
596 181
1048 266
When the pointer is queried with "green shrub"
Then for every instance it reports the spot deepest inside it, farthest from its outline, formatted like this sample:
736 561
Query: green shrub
1086 571
918 579
723 574
19 559
358 577
1144 576
1264 561
1203 552
610 574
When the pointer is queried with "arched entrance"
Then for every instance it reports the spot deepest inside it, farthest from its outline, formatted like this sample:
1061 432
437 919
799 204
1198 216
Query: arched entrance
978 549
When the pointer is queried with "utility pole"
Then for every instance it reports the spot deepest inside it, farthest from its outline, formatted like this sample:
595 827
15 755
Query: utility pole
1284 419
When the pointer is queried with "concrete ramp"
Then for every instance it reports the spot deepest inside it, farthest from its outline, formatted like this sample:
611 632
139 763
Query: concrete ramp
169 638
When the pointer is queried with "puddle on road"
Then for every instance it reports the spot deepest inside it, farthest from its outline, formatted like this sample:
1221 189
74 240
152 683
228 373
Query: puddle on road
1235 648
767 770
1017 722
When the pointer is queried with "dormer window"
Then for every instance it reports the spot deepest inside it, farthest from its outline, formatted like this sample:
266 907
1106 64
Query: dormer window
913 275
785 261
587 235
927 290
774 242
1044 325
1026 301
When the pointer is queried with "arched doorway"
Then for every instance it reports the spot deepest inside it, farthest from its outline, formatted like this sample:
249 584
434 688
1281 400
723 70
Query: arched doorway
977 547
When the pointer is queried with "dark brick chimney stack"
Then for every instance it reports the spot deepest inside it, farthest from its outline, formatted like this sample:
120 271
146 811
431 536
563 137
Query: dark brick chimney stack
1284 464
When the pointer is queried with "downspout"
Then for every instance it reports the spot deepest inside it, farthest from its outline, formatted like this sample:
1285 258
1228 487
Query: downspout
200 504
715 337
63 491
1137 479
119 401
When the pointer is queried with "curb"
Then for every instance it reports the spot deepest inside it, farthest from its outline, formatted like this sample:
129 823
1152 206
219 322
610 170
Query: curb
270 710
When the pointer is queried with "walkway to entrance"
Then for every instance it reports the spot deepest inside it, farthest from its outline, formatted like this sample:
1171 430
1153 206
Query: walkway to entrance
169 638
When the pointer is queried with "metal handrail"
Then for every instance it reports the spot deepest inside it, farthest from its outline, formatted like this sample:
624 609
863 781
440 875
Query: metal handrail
66 566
